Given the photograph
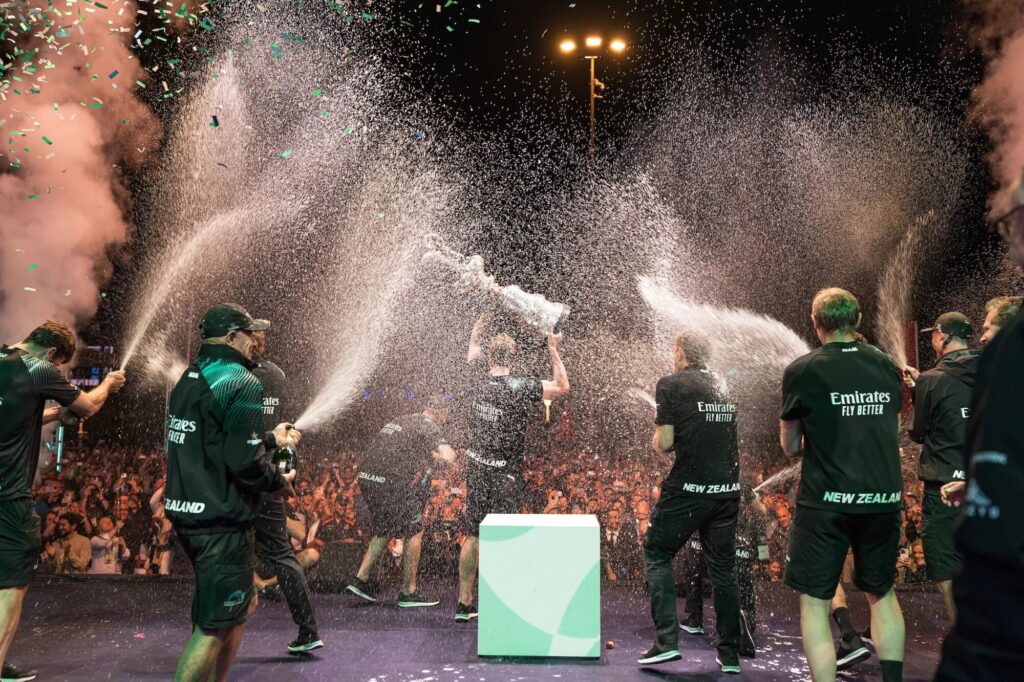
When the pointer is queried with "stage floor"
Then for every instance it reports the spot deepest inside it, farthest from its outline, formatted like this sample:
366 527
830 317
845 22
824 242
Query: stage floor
106 629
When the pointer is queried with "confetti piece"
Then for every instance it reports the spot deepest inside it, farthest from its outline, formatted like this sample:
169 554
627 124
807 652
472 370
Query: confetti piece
142 635
214 123
472 21
33 196
317 92
367 16
47 140
30 289
141 84
33 266
286 153
113 74
450 29
103 294
347 131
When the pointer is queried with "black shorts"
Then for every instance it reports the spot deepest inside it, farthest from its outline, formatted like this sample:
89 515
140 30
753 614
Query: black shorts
19 542
224 564
495 494
940 554
819 540
396 511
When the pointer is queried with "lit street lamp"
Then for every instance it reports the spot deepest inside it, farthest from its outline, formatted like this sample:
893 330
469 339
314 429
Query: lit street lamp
593 44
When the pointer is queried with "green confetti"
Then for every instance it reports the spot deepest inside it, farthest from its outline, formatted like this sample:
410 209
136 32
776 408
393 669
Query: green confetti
317 92
286 153
141 84
367 16
100 5
33 266
472 21
450 29
325 114
348 131
33 196
47 140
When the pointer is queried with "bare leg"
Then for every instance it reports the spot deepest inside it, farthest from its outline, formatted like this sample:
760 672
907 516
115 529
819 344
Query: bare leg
200 655
411 562
373 552
887 626
817 635
11 600
226 656
839 600
467 568
946 588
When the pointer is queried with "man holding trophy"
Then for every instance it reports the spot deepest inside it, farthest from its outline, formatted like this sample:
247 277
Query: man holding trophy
501 406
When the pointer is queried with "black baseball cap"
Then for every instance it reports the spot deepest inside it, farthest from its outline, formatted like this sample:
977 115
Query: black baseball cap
224 318
954 324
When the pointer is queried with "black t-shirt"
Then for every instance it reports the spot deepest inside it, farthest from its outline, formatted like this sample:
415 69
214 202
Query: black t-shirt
847 397
500 409
401 451
993 505
704 423
942 399
26 383
274 384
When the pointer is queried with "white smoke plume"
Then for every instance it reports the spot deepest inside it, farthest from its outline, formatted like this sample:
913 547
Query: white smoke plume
63 201
998 102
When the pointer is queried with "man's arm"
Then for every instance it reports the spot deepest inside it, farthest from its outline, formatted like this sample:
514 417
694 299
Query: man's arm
664 437
919 426
476 349
559 385
88 404
444 453
791 436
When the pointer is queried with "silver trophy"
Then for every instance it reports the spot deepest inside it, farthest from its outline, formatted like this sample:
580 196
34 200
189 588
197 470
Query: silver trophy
533 308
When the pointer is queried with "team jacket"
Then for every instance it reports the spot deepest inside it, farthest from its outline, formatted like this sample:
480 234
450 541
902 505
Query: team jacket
942 399
216 459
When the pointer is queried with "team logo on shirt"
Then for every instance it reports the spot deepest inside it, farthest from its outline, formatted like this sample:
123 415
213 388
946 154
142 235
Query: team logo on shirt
861 403
861 498
270 405
717 412
486 461
184 506
715 489
178 428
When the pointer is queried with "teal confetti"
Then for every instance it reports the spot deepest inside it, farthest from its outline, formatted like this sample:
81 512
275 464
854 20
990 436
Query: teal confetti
286 153
33 266
47 140
317 92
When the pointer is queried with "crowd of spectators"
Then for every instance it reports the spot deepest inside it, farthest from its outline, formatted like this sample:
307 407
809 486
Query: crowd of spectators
102 512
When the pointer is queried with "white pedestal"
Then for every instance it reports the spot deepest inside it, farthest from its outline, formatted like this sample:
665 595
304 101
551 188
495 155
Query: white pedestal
540 591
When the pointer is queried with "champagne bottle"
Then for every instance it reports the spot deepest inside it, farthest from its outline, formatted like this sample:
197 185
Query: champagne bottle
285 458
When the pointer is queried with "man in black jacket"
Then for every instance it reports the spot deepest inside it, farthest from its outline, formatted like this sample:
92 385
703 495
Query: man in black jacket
273 543
985 643
217 470
701 493
942 398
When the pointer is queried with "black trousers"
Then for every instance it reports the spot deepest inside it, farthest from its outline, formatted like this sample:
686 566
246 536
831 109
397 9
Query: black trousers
695 570
675 518
985 643
274 546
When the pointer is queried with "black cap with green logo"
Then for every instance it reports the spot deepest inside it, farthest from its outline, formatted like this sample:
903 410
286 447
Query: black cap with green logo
224 318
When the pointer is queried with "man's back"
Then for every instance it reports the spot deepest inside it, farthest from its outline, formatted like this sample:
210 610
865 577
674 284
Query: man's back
501 408
26 383
400 450
941 409
847 397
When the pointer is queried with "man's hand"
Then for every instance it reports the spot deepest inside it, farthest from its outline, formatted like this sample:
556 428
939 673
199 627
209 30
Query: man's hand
554 338
283 435
953 493
286 491
115 380
911 375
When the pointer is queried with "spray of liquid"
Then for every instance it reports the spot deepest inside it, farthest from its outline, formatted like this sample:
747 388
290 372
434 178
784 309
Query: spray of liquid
896 288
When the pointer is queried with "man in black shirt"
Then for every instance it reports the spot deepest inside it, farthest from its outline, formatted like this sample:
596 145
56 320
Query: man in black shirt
985 643
273 542
840 409
700 493
29 376
942 398
217 470
501 407
394 479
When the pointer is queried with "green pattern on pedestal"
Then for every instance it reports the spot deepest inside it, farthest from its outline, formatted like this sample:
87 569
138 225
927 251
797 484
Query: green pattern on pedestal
540 592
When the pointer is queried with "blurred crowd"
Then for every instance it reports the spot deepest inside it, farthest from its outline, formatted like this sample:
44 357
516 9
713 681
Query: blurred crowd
102 512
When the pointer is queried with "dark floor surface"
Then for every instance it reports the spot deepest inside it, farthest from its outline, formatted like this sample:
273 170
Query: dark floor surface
135 630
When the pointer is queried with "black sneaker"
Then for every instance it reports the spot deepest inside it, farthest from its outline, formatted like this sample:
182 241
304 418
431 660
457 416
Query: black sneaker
465 611
692 627
305 643
866 638
747 649
363 589
270 593
408 601
851 652
730 663
12 673
656 655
